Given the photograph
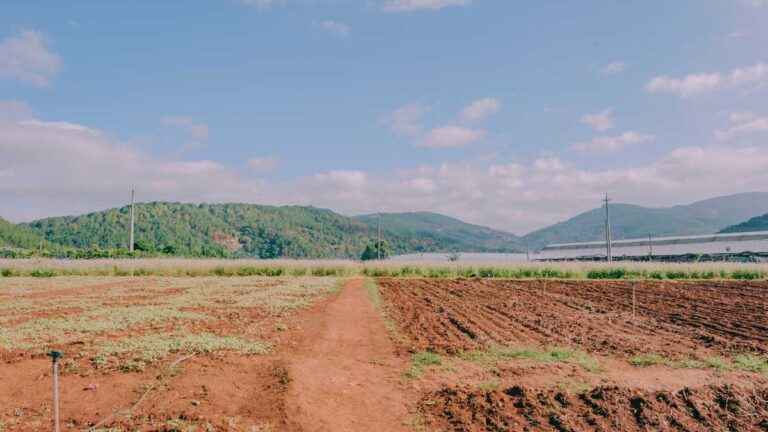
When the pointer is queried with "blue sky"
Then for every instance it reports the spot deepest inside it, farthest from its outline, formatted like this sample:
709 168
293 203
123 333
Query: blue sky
508 114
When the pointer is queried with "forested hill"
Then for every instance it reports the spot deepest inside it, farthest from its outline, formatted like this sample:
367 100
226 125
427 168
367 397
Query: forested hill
759 223
632 221
444 230
17 236
255 230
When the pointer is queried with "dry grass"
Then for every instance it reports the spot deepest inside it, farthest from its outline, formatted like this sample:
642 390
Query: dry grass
175 267
145 319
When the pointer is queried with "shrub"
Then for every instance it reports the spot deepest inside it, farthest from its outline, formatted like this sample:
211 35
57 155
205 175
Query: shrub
42 273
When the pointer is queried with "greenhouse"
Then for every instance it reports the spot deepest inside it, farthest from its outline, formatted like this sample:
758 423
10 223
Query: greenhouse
749 246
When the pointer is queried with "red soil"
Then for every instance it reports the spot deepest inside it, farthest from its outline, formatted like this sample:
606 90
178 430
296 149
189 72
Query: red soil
675 319
715 408
346 377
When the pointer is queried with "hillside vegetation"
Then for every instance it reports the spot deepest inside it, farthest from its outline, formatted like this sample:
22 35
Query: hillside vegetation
759 223
632 221
17 236
449 233
260 231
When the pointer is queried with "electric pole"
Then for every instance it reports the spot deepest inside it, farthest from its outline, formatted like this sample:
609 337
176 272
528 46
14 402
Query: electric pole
608 253
378 245
133 218
650 248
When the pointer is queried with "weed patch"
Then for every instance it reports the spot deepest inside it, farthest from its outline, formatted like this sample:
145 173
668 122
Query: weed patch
421 361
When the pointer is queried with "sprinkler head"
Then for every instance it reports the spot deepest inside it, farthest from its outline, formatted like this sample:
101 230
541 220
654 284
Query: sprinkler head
55 355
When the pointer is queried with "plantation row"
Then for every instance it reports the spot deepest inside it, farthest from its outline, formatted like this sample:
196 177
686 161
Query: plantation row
126 268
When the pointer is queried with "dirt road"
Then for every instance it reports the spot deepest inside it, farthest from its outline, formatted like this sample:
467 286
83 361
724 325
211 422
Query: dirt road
346 376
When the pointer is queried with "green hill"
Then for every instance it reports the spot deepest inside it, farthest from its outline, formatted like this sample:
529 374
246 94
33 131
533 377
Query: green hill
254 230
17 236
631 221
759 223
447 232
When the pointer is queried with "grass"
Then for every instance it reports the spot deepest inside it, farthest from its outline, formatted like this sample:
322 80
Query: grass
103 316
176 267
646 360
154 347
421 361
492 356
743 362
372 288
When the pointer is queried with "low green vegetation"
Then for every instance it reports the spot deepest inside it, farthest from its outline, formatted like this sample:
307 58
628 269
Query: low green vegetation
491 357
646 360
421 361
151 348
744 362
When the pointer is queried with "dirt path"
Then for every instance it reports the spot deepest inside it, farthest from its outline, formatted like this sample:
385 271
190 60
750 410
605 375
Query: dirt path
346 377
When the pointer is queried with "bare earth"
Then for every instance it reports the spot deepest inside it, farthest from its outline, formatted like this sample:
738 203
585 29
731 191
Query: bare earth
346 377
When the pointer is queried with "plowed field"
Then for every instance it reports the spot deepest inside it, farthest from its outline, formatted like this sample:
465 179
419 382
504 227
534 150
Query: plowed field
722 408
678 319
521 331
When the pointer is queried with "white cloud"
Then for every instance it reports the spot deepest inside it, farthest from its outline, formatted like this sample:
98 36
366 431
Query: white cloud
416 5
601 121
406 120
26 57
345 179
62 167
542 191
51 168
743 123
14 110
335 27
261 4
613 143
451 137
687 86
480 109
695 84
757 74
613 68
196 130
262 164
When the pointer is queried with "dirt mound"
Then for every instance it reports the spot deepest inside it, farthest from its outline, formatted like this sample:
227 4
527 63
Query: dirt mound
721 408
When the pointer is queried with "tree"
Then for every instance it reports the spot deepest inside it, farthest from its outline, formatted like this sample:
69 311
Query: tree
372 249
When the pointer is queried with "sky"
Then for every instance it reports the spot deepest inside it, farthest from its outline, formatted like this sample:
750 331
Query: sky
513 115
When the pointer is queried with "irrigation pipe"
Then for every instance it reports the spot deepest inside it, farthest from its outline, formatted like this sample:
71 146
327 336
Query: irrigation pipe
143 396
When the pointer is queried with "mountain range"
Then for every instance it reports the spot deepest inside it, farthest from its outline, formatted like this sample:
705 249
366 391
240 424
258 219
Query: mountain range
759 223
308 232
632 221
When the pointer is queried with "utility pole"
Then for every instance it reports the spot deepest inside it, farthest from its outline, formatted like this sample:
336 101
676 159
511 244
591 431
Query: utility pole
650 247
527 252
133 218
378 245
608 253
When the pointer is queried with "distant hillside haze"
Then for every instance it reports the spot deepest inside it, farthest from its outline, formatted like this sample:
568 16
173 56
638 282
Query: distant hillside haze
452 233
264 231
759 223
632 221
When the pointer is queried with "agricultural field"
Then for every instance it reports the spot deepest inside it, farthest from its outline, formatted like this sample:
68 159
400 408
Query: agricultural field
329 347
150 353
503 355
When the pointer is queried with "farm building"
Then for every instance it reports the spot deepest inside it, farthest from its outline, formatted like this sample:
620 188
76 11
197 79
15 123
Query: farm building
747 246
